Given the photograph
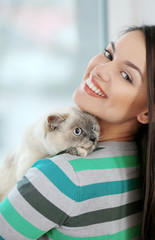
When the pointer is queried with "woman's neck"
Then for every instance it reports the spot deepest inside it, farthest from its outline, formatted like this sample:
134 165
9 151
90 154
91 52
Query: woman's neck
118 132
117 139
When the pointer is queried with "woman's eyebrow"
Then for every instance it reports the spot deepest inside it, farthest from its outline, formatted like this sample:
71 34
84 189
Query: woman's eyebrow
113 46
128 63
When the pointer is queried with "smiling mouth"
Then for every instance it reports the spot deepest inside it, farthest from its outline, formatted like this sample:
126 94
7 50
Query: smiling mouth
96 90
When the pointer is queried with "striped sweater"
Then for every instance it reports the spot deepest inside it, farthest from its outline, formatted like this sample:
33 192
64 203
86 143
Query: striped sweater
71 198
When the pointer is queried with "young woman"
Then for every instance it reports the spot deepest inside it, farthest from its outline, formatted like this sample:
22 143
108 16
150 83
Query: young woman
110 193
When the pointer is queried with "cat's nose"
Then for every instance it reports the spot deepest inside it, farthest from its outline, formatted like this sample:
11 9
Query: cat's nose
92 138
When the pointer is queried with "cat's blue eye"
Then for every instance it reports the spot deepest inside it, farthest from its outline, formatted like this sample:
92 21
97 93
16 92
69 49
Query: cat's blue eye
93 127
77 131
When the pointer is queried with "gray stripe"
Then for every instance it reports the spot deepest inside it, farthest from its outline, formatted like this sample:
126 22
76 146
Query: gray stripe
44 237
103 228
28 212
50 191
8 232
39 202
68 205
105 215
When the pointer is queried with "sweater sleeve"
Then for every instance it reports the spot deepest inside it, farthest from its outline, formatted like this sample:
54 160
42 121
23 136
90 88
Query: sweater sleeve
42 200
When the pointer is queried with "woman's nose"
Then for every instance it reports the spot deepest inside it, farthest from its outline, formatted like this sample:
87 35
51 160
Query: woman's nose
102 71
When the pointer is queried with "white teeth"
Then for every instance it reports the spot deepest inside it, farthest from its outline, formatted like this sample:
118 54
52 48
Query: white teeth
94 88
97 91
91 85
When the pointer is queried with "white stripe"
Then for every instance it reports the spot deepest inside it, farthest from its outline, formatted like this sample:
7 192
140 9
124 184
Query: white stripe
49 191
62 161
94 176
107 175
105 202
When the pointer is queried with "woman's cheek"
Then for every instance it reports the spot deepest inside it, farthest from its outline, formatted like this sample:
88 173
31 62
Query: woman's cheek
88 71
76 95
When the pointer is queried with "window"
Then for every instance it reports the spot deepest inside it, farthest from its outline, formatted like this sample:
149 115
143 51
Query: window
44 49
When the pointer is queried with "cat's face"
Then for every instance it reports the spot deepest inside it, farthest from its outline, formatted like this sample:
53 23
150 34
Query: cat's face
74 128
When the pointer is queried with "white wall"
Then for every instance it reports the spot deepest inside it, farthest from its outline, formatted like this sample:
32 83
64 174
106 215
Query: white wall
123 13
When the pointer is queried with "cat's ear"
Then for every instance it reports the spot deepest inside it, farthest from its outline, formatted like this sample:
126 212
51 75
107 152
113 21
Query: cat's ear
55 120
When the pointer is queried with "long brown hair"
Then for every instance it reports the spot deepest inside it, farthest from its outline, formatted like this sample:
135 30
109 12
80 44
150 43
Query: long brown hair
146 136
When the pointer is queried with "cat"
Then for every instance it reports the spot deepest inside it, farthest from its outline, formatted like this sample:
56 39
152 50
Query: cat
66 130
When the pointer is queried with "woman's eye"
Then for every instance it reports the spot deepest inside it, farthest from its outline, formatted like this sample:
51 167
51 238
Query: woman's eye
108 55
126 76
77 131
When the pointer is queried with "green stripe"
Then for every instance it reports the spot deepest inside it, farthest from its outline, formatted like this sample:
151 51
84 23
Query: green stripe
127 234
50 211
1 238
57 177
60 180
39 202
104 215
81 164
108 188
18 222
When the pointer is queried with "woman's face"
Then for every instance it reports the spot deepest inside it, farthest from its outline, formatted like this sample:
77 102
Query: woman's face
114 85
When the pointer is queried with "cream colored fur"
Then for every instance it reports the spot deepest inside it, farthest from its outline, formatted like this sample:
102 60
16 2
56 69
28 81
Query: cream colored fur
49 136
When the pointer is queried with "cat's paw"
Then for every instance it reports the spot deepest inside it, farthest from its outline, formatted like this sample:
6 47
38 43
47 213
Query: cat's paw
79 151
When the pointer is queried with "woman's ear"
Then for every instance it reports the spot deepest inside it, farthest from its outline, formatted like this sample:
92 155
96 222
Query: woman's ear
143 117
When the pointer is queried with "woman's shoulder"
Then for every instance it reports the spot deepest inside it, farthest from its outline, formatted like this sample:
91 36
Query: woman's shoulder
55 168
116 148
68 165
